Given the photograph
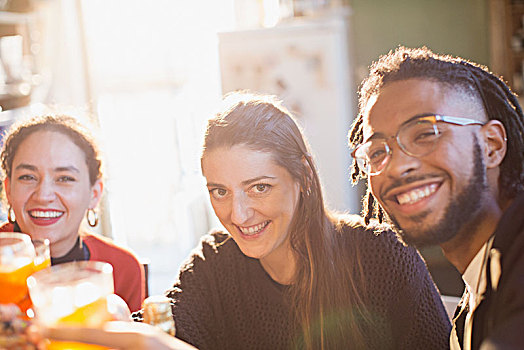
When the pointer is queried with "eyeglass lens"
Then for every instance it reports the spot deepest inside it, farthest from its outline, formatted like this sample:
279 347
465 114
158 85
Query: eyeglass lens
416 138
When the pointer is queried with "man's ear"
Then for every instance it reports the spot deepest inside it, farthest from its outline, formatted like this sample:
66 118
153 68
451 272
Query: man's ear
495 141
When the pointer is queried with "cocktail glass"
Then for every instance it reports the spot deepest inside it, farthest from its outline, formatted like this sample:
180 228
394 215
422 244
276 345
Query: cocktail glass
41 261
76 294
42 254
17 256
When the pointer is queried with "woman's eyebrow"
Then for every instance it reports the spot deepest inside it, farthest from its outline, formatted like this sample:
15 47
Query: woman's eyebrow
68 168
245 182
25 166
258 178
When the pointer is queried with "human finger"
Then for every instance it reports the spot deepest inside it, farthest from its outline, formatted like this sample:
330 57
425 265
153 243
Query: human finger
120 335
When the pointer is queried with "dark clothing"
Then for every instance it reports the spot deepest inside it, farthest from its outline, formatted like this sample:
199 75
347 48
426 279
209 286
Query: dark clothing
226 300
498 321
79 252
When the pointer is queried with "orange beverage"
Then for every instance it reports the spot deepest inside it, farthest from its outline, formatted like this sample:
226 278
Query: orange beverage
39 265
26 304
13 288
69 345
42 254
17 256
76 294
93 314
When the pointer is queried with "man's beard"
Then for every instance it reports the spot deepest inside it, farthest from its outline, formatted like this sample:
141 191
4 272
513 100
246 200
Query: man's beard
460 213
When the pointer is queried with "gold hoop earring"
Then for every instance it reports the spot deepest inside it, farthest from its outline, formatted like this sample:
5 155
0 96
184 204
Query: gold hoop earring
92 217
11 215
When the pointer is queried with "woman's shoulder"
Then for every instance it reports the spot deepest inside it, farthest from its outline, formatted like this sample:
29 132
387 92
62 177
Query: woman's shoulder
214 248
353 229
99 241
375 241
216 240
7 227
105 249
216 261
386 261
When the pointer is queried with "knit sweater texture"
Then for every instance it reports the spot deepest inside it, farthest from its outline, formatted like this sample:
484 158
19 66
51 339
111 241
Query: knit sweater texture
226 300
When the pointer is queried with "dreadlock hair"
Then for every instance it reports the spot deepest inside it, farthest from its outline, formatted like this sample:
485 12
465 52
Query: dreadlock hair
499 103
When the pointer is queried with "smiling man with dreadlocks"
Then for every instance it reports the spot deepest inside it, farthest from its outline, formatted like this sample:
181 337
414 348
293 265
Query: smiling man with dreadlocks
441 143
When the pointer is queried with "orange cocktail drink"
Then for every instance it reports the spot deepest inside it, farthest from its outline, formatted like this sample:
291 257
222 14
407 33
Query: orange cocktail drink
13 288
42 255
41 261
17 255
93 314
74 294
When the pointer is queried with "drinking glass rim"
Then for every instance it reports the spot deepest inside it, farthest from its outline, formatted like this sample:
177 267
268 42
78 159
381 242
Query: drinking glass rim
53 275
15 235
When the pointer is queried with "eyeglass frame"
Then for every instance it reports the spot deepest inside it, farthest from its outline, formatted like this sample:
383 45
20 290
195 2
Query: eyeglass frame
433 118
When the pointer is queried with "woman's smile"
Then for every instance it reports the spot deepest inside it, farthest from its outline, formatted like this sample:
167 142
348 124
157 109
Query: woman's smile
45 217
255 230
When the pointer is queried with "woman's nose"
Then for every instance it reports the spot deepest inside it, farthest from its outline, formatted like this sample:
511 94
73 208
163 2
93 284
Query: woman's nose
45 191
241 210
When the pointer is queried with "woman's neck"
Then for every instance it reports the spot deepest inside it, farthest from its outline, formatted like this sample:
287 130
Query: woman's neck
280 265
63 246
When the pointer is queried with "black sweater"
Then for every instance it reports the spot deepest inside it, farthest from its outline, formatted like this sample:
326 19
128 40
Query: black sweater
225 300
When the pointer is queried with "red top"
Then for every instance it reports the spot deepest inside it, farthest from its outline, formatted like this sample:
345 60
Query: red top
128 272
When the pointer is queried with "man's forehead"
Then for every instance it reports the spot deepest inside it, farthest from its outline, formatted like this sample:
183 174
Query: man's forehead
399 101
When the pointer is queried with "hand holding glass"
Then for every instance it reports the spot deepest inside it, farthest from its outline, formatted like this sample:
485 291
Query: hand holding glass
76 294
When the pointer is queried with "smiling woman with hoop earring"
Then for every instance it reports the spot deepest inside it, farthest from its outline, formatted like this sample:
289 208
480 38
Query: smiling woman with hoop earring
52 174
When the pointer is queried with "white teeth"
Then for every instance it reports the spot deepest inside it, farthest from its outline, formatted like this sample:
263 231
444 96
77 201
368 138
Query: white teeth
416 194
45 214
252 230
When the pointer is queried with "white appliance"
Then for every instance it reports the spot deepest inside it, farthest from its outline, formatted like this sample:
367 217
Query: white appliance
308 64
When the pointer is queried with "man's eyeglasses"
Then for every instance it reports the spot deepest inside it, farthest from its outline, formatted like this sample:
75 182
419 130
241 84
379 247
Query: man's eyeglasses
416 137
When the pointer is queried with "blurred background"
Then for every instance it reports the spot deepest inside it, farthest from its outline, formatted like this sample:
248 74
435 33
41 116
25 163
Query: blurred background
147 75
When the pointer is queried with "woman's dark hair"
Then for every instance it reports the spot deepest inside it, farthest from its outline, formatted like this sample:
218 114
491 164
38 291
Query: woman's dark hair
326 280
65 125
498 100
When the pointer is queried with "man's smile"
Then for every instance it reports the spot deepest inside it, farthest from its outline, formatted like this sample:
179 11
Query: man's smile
416 194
